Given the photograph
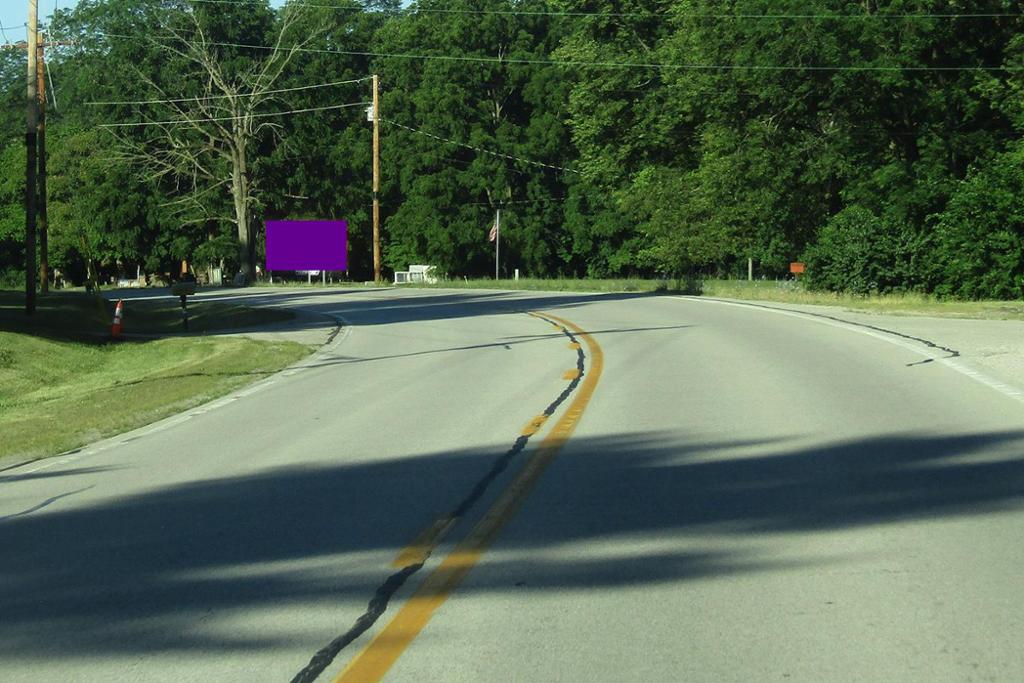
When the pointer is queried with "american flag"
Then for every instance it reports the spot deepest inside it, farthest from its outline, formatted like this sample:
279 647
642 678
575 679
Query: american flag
494 232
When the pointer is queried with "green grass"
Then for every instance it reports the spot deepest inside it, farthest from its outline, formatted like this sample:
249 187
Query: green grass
63 384
787 292
56 395
78 315
163 316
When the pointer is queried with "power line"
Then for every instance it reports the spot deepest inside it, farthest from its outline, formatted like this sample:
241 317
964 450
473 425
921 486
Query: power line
5 29
468 164
540 200
480 149
232 118
430 10
619 65
216 97
640 15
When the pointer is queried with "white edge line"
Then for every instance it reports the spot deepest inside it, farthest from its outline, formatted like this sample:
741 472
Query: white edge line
916 347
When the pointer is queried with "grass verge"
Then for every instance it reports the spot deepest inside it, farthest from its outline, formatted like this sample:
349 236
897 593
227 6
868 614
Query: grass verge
56 395
787 292
78 315
62 385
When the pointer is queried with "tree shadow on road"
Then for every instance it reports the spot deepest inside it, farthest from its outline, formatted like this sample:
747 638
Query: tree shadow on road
388 306
140 574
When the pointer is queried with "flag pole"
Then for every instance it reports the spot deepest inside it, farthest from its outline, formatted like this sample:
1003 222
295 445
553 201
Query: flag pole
497 240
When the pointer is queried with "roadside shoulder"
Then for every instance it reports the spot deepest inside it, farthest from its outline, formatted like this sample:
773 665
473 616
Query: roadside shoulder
994 347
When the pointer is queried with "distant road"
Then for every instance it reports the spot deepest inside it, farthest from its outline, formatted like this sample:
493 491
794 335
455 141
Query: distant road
723 493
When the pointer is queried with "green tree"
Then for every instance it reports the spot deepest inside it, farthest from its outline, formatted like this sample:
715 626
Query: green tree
321 166
980 235
102 215
444 121
12 215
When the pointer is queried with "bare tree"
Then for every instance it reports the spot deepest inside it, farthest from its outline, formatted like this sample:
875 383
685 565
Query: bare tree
203 144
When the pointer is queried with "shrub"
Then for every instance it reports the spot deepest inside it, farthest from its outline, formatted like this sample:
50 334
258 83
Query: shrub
980 235
857 252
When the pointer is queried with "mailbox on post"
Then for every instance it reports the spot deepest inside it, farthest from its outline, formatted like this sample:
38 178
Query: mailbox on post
183 290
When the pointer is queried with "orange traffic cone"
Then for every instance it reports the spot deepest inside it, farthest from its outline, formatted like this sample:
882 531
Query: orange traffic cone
115 329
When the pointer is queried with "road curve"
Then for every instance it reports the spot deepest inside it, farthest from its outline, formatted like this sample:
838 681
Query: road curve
744 495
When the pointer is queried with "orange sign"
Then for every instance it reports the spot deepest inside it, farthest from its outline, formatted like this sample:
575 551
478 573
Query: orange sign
796 267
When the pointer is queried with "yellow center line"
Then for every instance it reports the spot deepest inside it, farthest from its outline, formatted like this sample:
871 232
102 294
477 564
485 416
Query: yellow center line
419 550
534 425
380 654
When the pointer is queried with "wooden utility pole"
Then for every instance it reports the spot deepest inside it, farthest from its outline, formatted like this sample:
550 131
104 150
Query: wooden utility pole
32 116
40 212
376 179
44 274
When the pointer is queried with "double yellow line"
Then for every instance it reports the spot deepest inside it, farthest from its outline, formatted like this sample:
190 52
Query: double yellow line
374 660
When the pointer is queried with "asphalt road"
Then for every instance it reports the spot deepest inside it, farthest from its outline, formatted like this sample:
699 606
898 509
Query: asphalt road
724 493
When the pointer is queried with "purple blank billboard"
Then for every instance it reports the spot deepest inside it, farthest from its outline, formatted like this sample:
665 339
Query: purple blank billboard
307 245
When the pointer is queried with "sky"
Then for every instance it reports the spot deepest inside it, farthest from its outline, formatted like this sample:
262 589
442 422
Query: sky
14 16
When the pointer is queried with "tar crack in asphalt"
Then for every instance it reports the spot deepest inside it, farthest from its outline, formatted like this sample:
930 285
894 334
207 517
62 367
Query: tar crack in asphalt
382 596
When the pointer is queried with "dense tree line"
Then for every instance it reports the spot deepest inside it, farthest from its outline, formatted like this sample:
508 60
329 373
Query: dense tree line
877 141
